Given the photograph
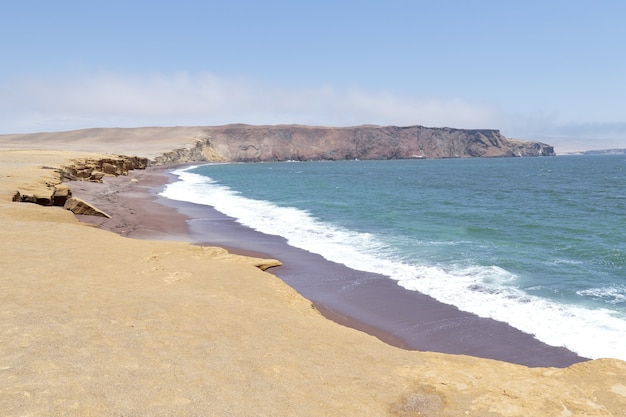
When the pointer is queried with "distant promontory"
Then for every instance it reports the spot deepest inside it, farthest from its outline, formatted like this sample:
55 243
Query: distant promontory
248 143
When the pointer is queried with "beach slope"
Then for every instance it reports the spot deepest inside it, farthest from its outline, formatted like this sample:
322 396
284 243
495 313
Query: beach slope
94 323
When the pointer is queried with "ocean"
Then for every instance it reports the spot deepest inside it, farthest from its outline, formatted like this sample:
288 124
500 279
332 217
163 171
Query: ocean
538 243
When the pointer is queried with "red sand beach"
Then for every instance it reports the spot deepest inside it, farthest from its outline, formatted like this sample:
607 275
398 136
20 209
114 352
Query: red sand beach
365 301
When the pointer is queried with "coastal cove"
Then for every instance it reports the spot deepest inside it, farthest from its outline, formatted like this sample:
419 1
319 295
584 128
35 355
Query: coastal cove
370 302
313 209
96 323
506 239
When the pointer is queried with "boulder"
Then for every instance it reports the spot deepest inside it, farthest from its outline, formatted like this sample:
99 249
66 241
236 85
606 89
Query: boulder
111 169
96 176
78 206
60 195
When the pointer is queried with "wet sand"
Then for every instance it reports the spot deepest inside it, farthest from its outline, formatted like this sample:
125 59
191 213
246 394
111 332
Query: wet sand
369 302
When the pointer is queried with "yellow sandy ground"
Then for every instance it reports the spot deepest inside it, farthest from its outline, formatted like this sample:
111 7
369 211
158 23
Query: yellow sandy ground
95 324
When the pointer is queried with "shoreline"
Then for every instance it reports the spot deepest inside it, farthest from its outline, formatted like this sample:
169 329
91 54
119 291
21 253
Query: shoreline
368 302
97 324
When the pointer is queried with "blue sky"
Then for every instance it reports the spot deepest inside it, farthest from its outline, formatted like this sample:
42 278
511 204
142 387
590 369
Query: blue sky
549 70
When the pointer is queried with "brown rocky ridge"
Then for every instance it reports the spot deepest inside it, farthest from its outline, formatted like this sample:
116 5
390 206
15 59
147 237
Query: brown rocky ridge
246 143
240 142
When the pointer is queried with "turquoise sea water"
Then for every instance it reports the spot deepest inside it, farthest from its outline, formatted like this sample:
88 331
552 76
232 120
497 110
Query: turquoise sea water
539 243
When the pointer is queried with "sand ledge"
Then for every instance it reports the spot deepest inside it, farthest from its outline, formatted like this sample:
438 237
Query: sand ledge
98 324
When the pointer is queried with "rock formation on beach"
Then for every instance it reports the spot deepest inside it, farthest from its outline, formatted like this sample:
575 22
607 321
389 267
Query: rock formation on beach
53 193
80 206
246 143
94 169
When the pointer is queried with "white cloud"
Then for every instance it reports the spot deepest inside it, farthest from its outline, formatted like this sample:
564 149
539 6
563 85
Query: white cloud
110 99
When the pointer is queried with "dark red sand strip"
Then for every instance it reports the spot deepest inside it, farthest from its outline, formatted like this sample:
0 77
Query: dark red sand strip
366 301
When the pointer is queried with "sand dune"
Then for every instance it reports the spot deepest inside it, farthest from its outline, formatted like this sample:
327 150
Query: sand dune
146 141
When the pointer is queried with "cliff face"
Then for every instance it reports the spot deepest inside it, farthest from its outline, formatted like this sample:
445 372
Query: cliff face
245 143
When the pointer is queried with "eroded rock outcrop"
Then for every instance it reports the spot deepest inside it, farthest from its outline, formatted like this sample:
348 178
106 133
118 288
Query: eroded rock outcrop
246 143
199 151
94 169
87 169
48 195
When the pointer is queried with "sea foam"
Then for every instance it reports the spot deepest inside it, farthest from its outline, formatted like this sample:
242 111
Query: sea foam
488 291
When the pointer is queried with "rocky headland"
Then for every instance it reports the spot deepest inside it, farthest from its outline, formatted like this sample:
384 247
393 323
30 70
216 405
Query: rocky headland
246 143
249 143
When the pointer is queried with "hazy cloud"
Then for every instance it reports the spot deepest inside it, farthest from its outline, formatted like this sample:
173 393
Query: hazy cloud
110 99
122 100
607 130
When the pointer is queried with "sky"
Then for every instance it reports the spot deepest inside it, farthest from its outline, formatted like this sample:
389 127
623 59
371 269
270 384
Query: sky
547 70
